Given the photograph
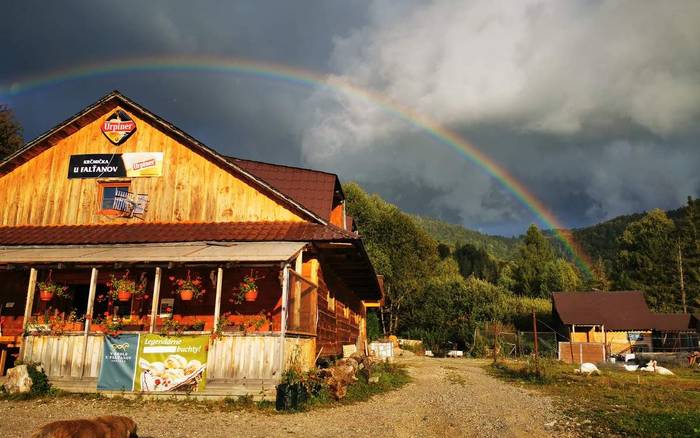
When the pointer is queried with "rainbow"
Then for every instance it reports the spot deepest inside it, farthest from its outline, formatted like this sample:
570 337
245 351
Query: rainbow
280 72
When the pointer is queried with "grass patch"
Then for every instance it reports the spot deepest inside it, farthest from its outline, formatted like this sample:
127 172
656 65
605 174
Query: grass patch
621 402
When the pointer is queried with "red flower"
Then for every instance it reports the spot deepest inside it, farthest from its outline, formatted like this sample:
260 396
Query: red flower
106 314
145 297
168 309
171 278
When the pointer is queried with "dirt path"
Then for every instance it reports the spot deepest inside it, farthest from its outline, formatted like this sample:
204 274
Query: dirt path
448 397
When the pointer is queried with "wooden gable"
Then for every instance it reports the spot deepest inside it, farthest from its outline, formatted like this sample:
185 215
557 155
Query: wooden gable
193 186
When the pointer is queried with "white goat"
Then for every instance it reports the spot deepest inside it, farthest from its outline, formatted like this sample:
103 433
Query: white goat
587 368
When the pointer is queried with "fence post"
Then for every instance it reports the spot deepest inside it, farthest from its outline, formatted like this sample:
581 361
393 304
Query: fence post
534 327
580 356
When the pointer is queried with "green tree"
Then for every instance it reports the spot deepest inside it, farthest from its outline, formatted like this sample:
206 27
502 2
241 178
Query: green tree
647 261
599 280
534 255
399 249
477 262
560 276
10 132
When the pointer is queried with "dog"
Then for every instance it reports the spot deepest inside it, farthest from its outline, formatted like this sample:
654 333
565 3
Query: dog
106 426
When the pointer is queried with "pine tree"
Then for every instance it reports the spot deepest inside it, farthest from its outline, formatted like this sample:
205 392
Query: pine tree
10 132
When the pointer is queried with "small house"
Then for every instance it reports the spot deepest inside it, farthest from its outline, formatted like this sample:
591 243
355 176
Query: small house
601 324
116 225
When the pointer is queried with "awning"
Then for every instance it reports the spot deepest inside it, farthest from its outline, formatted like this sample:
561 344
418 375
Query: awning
145 253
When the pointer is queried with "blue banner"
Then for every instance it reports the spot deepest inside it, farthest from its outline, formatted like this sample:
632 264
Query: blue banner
118 363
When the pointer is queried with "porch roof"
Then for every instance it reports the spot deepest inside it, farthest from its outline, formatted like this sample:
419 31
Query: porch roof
162 252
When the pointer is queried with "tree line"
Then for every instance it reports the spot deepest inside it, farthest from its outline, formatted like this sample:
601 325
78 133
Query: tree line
441 292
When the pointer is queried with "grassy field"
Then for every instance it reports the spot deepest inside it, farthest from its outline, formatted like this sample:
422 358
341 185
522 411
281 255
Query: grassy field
618 402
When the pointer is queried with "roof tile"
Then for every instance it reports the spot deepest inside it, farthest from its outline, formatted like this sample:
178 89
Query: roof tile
171 232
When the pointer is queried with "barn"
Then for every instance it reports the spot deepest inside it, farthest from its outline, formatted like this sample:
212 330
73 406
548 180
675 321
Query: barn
121 236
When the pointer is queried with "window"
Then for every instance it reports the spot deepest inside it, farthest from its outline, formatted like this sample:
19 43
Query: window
108 192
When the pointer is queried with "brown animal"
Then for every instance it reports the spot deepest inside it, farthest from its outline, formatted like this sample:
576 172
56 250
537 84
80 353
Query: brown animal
107 426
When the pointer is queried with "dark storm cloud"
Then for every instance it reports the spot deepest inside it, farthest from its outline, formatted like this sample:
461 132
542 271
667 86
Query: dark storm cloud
237 115
593 106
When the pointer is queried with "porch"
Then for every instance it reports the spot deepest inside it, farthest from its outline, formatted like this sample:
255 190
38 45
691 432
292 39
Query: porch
251 340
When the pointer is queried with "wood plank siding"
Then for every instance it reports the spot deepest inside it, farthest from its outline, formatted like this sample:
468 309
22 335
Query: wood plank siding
192 188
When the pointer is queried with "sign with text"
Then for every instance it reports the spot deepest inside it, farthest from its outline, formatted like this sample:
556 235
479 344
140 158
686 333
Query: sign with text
118 127
118 363
171 363
129 165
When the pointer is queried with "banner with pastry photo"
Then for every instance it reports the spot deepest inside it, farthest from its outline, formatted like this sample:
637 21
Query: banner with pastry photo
171 363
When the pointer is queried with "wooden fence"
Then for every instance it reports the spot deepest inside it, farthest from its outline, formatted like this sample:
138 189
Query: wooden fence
230 357
577 352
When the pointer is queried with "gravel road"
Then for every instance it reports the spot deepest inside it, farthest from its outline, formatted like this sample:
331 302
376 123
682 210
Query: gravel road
448 397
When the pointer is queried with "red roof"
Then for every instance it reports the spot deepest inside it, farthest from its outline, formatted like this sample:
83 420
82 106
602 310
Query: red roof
311 188
173 232
623 310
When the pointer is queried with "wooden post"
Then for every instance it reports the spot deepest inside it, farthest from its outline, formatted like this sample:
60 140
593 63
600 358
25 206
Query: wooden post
217 302
571 341
155 300
3 358
296 291
88 316
31 291
91 300
605 342
283 316
534 327
580 356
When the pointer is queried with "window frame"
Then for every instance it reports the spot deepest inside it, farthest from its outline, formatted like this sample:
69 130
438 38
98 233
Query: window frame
102 185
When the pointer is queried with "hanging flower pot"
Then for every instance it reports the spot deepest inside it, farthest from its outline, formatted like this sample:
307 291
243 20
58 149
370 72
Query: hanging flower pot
247 289
123 288
251 294
46 295
124 295
186 294
47 289
189 287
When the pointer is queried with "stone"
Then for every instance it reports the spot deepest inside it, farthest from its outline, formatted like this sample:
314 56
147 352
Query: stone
18 380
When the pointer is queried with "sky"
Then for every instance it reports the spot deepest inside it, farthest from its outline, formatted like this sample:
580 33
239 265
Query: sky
593 106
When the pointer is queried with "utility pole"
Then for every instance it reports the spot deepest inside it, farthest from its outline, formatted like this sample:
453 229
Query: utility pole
680 274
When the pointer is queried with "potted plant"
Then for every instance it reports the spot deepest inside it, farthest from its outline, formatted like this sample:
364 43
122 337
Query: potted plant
189 287
113 326
48 289
247 289
122 288
197 326
73 322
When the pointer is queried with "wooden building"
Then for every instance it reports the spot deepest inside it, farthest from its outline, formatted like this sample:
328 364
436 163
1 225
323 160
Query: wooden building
601 324
117 192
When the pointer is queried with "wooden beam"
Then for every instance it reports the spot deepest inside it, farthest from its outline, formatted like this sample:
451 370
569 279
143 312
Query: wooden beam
88 316
91 300
31 291
283 319
155 300
217 302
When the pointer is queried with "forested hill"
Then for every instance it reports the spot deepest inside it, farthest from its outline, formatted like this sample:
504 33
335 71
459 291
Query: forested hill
598 241
601 240
501 247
